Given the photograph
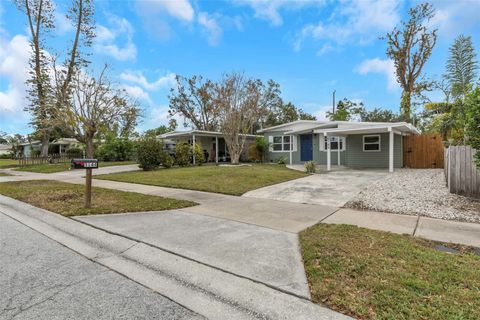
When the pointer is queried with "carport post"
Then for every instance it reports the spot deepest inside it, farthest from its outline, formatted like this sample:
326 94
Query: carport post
329 156
216 149
390 150
291 145
193 139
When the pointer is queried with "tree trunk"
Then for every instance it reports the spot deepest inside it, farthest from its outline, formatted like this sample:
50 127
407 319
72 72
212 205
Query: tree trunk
45 144
90 151
235 157
406 106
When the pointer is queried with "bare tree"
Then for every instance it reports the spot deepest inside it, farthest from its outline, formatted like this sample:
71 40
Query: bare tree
47 99
95 105
193 99
241 103
410 47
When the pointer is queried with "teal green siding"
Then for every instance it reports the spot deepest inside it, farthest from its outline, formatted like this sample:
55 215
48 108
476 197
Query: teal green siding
353 156
357 158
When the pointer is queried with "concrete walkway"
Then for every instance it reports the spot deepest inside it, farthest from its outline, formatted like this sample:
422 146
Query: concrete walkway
289 216
202 288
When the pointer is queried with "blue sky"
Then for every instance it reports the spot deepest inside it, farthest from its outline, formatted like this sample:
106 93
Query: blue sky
311 47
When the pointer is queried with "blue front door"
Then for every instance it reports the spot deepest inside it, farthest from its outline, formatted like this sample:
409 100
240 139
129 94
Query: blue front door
306 148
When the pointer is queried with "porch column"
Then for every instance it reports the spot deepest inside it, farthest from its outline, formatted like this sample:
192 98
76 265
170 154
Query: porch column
291 145
193 139
390 149
338 151
216 149
329 156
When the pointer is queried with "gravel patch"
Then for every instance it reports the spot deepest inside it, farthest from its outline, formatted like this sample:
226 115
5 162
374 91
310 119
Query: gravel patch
416 192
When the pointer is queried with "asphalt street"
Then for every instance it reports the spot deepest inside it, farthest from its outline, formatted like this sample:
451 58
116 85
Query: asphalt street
41 279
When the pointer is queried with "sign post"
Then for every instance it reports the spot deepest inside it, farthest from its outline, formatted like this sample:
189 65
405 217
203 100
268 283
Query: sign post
87 164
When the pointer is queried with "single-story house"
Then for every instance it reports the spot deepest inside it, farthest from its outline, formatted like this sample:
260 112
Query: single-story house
5 149
341 143
212 142
58 146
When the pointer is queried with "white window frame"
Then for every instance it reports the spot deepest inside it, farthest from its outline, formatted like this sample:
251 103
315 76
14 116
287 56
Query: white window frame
283 143
379 142
342 139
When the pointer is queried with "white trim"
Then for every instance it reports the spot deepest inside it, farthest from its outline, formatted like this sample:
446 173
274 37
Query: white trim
329 160
379 142
390 151
282 143
321 142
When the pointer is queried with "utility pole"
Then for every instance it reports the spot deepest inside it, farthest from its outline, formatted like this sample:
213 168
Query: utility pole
333 104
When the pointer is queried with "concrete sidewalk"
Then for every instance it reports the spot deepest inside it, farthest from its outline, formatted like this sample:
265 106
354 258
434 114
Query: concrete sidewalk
289 216
205 290
428 228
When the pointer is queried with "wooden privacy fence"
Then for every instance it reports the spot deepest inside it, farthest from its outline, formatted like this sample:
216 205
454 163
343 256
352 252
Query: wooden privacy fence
461 173
52 158
423 151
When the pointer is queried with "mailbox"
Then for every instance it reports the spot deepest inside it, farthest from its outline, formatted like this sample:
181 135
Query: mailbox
84 164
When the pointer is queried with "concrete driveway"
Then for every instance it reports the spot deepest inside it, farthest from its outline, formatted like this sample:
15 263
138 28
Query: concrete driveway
264 255
329 189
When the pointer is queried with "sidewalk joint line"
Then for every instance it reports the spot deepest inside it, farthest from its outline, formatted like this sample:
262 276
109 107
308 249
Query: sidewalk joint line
416 226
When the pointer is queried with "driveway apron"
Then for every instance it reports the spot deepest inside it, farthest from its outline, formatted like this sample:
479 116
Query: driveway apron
260 254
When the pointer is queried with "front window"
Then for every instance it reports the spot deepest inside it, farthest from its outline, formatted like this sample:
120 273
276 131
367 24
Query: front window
371 143
281 143
335 143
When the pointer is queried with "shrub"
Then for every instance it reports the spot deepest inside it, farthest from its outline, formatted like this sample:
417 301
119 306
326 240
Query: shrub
253 154
310 166
116 149
183 154
472 105
166 160
74 151
149 153
282 160
262 145
199 156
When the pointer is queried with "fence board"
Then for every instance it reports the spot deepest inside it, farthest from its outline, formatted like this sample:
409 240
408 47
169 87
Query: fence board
51 159
463 177
423 151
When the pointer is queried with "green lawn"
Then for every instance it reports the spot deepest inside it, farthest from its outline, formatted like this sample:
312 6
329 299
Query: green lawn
220 179
67 199
3 174
8 163
59 167
379 275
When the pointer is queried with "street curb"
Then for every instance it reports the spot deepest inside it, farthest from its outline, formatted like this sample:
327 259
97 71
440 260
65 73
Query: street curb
205 290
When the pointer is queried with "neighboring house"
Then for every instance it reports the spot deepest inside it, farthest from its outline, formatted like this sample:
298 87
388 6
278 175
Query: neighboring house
212 143
350 144
58 146
5 149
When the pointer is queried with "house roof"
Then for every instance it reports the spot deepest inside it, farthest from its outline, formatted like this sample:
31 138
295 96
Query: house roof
399 127
189 133
308 126
5 147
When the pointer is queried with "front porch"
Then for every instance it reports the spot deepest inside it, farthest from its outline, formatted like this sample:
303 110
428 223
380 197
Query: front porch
212 143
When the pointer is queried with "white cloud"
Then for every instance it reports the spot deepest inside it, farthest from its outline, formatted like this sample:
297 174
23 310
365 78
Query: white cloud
14 56
180 9
357 21
270 10
163 82
62 24
211 27
455 17
137 93
107 38
377 65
